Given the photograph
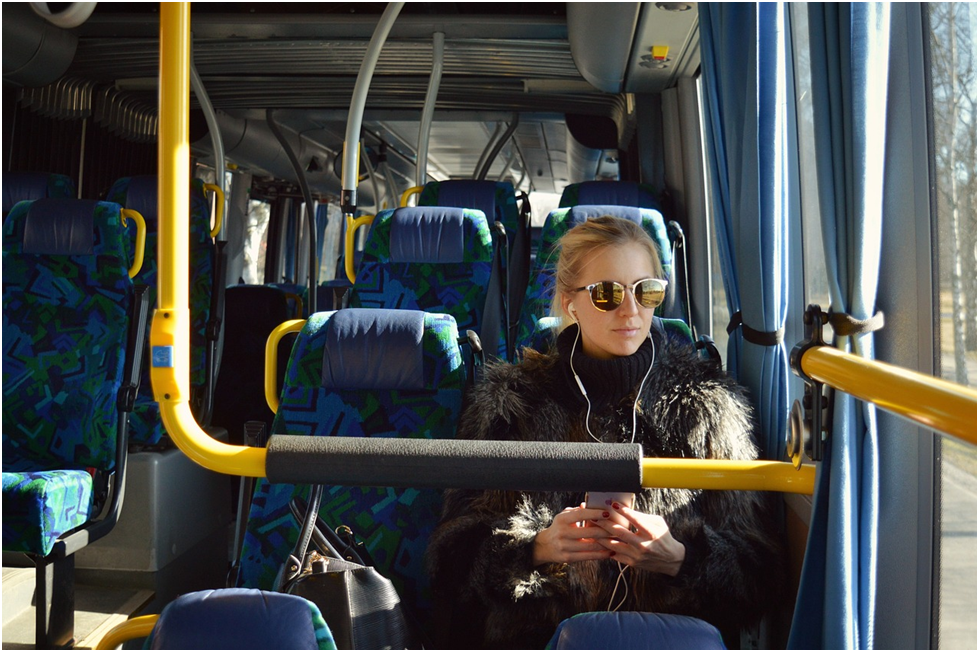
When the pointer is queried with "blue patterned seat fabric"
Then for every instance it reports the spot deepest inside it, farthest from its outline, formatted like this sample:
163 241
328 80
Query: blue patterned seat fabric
540 289
410 376
498 202
140 194
429 258
610 193
27 186
66 292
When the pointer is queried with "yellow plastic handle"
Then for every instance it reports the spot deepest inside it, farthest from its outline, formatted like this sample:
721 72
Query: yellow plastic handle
138 627
272 359
348 246
219 208
128 213
408 193
298 300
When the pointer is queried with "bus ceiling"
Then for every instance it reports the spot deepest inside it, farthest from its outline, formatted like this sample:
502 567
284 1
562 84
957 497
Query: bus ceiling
564 70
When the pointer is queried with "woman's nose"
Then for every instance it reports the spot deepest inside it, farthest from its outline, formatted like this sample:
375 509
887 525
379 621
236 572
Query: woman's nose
629 304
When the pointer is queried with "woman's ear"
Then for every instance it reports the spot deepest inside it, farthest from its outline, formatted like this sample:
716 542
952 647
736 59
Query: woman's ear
569 309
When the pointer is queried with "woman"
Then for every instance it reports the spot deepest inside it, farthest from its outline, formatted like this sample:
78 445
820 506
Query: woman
507 567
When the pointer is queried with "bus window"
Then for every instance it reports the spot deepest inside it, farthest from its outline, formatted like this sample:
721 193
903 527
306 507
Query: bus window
256 241
815 281
329 224
952 36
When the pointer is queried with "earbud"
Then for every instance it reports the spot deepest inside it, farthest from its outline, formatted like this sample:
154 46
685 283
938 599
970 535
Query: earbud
573 313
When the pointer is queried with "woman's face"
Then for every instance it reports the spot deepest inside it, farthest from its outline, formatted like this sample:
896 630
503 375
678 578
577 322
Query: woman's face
621 331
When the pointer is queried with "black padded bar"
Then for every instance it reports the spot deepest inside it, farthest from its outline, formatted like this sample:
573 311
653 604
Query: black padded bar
455 464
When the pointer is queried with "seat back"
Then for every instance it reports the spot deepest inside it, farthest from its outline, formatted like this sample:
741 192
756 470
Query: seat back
140 193
27 186
632 630
540 289
363 373
610 193
251 313
66 296
429 258
497 200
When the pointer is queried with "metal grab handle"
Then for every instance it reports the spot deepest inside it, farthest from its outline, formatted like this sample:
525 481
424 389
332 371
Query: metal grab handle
219 220
272 359
140 251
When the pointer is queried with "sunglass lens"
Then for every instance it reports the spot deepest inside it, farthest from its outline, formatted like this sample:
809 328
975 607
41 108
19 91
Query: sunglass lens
650 293
607 295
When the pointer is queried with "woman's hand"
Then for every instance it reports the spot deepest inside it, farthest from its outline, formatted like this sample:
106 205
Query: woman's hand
650 547
572 536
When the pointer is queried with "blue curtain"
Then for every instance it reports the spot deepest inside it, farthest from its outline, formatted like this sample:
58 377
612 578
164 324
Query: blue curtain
849 59
744 76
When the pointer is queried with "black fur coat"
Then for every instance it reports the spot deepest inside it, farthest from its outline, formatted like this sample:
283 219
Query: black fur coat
487 592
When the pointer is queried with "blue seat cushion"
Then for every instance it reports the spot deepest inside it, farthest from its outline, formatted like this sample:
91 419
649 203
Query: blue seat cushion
633 630
40 506
240 619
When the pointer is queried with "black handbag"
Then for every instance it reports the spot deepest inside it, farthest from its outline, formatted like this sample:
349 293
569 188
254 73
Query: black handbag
361 606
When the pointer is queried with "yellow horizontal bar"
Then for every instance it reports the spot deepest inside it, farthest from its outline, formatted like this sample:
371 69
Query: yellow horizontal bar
272 359
414 190
138 627
140 249
931 402
219 208
669 473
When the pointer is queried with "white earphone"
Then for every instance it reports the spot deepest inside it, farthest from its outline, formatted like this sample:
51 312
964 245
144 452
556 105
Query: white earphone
573 313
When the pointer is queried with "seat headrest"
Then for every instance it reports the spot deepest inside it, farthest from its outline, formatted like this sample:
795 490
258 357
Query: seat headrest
374 349
27 186
60 227
141 197
578 214
428 234
233 619
624 193
480 195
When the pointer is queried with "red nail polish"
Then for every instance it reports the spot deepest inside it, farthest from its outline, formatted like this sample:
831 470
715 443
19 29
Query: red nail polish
605 514
616 506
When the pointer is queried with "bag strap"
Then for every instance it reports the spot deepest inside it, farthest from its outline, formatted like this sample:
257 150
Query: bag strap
294 564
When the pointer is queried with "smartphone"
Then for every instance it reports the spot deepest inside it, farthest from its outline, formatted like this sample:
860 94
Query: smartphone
604 500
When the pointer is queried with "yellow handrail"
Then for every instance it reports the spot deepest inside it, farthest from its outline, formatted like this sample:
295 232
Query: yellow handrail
408 193
298 301
140 249
932 402
170 331
138 627
348 245
272 359
670 473
219 208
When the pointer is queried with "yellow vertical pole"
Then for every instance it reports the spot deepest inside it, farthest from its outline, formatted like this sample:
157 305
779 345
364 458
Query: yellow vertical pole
170 330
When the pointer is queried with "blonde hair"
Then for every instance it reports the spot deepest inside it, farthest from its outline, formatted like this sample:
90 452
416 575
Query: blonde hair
577 246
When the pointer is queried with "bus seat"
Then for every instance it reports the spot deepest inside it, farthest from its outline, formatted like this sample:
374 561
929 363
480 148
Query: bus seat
140 193
610 193
27 186
431 258
67 302
251 313
632 630
540 289
497 200
240 619
359 373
